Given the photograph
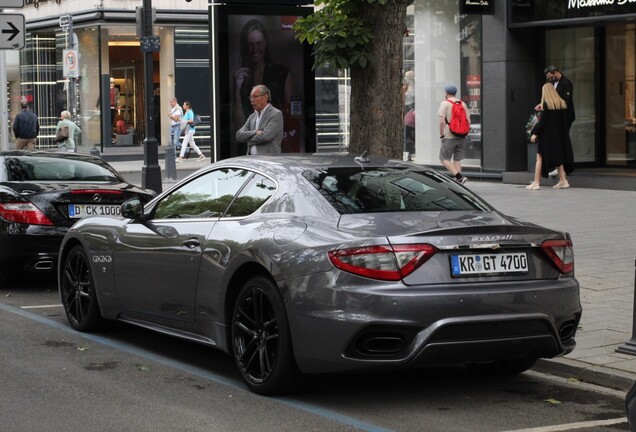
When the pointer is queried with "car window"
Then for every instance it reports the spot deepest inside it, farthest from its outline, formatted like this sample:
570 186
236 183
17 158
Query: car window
35 168
252 197
205 196
400 189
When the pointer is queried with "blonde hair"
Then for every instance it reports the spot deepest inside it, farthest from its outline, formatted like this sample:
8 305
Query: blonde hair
65 115
551 98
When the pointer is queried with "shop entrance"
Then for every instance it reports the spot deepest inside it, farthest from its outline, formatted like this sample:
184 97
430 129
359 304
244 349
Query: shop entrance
620 95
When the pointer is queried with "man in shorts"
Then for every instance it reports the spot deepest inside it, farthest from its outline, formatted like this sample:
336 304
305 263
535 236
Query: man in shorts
451 151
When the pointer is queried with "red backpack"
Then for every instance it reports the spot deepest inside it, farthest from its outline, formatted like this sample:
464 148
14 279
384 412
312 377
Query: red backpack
458 124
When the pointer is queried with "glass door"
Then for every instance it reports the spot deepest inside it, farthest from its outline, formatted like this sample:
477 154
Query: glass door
620 94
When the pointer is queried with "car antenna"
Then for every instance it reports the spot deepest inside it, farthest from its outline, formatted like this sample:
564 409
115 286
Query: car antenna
363 158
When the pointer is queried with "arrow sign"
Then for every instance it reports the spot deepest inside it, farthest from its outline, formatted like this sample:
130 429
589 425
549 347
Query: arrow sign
12 29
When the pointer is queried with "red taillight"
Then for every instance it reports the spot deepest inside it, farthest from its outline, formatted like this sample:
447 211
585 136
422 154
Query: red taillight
390 263
97 191
561 254
24 213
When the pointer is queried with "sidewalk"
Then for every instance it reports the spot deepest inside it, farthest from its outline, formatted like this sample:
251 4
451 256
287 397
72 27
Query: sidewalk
600 222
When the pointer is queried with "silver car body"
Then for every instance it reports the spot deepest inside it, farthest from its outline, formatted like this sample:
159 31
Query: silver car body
181 275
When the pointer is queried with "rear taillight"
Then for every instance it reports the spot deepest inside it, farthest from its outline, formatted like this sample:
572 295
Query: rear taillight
561 253
390 263
24 213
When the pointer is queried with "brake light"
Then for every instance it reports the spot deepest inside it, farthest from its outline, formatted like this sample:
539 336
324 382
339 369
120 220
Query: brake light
561 253
390 263
98 191
24 213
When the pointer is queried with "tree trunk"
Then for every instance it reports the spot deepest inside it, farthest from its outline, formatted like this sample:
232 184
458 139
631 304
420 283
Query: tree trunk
376 121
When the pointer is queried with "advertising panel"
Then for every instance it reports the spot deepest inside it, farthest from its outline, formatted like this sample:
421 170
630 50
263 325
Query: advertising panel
258 46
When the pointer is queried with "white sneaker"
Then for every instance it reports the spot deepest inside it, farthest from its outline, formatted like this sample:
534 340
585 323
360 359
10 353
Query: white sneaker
553 173
179 159
201 158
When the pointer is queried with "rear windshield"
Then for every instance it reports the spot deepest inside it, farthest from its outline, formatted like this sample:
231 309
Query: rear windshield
35 168
370 190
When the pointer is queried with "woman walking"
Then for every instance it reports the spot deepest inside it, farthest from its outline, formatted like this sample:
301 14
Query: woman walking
188 139
66 139
554 148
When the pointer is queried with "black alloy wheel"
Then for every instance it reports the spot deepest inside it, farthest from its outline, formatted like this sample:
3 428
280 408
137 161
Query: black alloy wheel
261 339
77 292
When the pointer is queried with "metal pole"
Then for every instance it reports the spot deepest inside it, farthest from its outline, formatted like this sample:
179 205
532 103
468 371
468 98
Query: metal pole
629 347
151 171
4 114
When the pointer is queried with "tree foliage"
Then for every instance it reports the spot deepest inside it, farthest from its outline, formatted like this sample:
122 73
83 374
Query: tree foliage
364 36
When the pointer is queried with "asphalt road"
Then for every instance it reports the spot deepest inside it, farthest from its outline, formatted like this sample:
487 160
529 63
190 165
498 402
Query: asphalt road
128 379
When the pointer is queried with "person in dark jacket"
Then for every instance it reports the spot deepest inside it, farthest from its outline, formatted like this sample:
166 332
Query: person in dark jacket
564 88
551 133
26 128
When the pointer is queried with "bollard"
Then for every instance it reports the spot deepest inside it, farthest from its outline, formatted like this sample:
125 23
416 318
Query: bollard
171 166
629 347
95 151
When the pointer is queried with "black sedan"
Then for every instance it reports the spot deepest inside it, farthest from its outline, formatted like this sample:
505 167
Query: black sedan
325 263
43 194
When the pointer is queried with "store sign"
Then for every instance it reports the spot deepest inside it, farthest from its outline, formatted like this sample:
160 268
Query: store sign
71 63
530 12
477 7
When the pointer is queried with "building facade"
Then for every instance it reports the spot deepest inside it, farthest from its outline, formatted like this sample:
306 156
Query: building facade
495 57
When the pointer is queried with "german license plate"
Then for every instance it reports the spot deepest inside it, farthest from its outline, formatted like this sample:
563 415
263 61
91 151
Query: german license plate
489 264
78 211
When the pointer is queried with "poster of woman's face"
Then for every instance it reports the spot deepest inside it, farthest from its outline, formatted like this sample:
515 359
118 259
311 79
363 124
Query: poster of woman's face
263 49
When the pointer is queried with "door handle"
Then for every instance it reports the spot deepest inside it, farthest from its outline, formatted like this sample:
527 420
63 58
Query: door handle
191 243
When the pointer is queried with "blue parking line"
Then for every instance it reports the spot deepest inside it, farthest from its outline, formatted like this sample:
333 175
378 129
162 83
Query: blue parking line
201 373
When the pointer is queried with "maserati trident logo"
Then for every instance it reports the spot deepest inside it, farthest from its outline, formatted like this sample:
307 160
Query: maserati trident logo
97 198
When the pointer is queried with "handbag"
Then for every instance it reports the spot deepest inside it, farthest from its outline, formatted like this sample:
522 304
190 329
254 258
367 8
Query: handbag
62 134
532 122
196 120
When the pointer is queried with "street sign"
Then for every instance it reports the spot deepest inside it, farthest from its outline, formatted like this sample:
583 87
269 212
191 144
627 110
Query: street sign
7 4
65 20
71 63
12 29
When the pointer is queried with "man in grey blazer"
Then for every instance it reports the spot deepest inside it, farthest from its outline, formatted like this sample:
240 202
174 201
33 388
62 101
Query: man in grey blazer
263 130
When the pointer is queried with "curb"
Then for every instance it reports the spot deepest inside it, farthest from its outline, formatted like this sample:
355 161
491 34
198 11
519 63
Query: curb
593 374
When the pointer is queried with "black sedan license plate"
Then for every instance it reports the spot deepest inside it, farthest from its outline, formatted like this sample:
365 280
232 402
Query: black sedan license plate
489 264
78 211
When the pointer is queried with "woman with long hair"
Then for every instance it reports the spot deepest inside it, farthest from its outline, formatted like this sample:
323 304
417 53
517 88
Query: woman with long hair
554 148
257 68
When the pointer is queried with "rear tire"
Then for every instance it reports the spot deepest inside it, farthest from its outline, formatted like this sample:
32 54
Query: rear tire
261 340
77 292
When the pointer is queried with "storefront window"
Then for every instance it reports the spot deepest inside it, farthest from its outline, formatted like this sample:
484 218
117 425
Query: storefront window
447 49
572 51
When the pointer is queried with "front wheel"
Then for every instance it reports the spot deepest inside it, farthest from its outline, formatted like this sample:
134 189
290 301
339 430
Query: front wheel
261 339
77 292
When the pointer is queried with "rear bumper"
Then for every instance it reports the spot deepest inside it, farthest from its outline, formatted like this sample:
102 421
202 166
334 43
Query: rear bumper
30 248
393 326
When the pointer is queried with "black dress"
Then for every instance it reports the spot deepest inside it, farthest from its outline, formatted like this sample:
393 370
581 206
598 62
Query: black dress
553 141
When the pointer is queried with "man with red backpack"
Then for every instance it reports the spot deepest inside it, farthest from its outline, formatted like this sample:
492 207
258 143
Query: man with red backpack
454 125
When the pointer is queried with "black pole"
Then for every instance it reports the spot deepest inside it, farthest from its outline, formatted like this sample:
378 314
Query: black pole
150 172
629 347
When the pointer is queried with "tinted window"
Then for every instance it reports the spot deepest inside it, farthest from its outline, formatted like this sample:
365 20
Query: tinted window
34 168
369 190
206 196
252 197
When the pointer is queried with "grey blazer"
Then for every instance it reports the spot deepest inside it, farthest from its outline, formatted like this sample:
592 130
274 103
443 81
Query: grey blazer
272 126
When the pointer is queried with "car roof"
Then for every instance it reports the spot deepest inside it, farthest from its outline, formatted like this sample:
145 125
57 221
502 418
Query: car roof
315 160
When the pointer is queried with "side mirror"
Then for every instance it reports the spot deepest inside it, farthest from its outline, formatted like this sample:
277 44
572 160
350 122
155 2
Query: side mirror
133 209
